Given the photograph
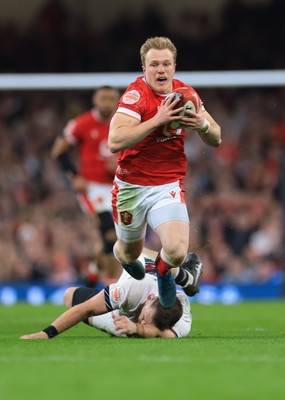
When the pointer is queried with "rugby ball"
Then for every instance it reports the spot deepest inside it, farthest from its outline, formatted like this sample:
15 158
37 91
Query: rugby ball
188 99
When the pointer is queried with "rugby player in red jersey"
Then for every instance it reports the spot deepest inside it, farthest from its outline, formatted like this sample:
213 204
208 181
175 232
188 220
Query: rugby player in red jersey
148 186
93 180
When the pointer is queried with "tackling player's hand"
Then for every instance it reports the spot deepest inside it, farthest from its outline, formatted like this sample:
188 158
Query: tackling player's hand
37 335
124 325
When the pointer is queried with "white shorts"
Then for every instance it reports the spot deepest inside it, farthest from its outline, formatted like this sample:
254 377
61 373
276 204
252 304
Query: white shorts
135 206
97 199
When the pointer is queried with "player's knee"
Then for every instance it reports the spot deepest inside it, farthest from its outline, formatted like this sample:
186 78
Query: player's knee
176 256
68 295
131 255
127 253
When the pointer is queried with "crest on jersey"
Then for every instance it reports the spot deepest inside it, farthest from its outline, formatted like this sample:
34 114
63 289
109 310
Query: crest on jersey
131 97
117 294
126 217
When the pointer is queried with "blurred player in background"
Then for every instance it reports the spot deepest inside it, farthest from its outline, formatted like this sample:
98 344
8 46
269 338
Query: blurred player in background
131 307
93 179
148 186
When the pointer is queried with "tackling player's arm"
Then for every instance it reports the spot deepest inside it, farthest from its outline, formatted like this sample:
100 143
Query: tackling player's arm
94 306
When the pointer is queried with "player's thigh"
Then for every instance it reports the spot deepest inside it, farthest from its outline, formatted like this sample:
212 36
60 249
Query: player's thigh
171 223
174 236
68 296
130 205
82 294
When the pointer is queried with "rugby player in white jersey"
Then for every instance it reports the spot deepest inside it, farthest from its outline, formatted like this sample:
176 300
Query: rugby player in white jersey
131 307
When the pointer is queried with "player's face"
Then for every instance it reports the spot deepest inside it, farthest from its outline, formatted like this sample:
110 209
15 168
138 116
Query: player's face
106 101
159 70
147 312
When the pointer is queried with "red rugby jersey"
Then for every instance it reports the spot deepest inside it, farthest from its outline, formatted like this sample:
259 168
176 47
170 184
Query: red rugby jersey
159 158
90 134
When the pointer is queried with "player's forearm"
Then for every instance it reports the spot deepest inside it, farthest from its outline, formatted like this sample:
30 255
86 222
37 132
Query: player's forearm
72 317
94 306
210 131
62 323
60 146
213 136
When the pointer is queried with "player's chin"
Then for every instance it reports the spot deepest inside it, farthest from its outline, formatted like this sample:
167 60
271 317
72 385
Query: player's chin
161 87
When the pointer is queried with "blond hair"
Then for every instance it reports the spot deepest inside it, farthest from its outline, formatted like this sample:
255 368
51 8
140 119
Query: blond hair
159 43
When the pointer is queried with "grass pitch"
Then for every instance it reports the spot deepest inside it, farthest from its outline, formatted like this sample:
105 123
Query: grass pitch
232 352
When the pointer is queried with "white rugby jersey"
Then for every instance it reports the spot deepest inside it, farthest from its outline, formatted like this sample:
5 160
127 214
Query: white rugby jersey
127 296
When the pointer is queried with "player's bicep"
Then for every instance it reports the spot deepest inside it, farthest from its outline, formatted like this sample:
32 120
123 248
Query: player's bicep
121 120
97 304
120 132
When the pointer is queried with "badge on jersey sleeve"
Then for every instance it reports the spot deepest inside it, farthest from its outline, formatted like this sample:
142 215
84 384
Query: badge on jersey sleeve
117 294
131 97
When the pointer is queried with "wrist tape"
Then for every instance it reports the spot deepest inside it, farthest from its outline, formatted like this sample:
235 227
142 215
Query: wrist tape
205 126
51 331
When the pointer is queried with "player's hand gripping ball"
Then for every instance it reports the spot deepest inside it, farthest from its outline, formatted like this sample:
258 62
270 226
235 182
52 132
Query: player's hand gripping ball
188 99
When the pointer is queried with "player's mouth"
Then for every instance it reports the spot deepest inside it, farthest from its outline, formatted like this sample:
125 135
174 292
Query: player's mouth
161 80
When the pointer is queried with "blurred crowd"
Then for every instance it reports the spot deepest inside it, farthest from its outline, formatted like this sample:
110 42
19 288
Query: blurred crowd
235 193
245 35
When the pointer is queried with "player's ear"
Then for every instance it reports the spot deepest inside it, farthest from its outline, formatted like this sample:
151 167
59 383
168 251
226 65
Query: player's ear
143 69
151 296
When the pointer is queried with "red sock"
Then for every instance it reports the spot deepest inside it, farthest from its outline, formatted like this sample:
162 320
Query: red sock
161 266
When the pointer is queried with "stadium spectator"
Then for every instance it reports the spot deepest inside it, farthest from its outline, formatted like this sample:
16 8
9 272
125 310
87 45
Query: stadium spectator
139 310
148 186
36 193
61 40
92 181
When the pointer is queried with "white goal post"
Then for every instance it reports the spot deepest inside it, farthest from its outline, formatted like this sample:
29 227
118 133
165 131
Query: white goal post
66 81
